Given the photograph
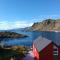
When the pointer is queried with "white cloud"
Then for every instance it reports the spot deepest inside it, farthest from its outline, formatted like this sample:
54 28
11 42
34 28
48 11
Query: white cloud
5 25
22 24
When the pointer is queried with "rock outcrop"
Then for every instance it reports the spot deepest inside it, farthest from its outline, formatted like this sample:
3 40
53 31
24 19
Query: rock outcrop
46 25
11 35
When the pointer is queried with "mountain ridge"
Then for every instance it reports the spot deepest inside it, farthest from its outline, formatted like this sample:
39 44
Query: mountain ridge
46 25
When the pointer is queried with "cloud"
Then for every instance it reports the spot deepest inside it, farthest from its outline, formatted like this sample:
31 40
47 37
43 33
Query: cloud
5 25
22 24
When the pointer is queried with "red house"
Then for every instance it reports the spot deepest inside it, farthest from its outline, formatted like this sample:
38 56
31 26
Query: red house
45 49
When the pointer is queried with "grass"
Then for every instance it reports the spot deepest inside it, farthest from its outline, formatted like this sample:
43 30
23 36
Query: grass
17 53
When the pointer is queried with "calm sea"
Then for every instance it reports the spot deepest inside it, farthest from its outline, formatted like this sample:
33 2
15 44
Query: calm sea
28 41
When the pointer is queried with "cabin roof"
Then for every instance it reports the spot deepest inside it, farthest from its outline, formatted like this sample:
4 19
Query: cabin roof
52 36
40 43
46 38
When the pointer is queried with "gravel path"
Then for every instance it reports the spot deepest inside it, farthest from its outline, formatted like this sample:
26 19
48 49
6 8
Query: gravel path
29 56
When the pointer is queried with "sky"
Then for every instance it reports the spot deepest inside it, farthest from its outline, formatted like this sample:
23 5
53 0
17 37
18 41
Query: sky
23 13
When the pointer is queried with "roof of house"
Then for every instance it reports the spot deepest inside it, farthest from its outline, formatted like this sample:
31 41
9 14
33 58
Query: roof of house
40 43
53 36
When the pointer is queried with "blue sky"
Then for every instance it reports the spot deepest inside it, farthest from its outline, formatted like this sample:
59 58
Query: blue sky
23 13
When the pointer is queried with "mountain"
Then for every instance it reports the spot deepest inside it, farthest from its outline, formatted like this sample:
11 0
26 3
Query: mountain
46 25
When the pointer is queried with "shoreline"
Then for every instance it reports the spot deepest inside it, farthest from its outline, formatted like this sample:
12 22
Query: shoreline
11 35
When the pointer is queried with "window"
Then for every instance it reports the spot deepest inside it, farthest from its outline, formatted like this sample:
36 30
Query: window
55 52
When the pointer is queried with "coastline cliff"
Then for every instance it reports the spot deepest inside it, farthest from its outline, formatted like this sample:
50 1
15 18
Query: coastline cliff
46 25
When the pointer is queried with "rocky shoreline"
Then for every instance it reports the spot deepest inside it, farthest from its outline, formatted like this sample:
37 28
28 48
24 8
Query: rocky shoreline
11 35
46 25
13 52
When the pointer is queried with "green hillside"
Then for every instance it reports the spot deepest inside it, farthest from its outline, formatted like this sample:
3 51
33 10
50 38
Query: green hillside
46 25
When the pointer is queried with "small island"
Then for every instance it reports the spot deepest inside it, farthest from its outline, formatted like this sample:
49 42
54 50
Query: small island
11 35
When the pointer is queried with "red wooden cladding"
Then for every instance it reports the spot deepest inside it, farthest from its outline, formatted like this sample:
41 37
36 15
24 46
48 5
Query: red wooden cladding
58 53
47 53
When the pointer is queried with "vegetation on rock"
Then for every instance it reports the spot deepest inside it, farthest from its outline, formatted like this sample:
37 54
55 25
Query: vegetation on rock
11 35
46 25
14 52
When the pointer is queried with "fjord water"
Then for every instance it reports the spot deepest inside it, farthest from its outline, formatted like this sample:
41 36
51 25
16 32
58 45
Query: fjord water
28 41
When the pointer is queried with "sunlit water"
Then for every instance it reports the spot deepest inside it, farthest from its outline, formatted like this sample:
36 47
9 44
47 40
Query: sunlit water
28 41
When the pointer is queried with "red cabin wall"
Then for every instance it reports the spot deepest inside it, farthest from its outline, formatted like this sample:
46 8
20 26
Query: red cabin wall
47 53
58 53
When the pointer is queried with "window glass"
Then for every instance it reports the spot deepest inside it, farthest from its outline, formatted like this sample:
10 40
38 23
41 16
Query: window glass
55 52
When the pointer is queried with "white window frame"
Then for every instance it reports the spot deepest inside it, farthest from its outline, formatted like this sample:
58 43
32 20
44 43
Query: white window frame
55 52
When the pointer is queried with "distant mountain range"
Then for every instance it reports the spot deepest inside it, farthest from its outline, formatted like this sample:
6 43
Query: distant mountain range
46 25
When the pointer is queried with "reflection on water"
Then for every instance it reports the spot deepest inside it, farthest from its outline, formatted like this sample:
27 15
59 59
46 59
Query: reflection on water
31 37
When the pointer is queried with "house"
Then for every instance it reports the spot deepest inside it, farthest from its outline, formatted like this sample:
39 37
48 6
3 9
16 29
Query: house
46 49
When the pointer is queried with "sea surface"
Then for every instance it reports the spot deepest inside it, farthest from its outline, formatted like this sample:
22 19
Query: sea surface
28 41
